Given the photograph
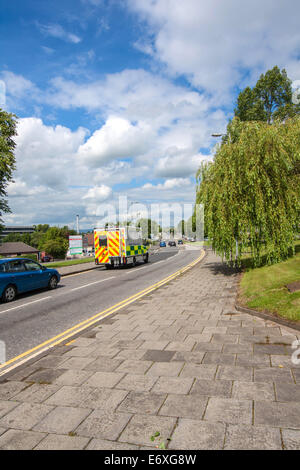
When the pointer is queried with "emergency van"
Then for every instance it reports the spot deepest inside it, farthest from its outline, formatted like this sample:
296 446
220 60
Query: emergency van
119 246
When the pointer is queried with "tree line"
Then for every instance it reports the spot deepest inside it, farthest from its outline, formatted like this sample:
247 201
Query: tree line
251 191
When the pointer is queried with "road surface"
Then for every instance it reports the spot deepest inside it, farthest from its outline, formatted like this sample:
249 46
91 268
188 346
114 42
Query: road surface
38 316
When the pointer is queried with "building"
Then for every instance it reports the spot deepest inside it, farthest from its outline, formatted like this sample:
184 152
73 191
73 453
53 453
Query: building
12 249
88 242
20 230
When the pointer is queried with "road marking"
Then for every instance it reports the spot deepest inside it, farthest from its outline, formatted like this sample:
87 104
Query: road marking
91 283
25 305
69 333
136 269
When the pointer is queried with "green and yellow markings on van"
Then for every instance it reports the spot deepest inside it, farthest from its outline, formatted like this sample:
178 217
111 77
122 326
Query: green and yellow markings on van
74 330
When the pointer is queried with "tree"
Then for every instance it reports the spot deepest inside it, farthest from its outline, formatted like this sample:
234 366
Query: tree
251 191
8 126
270 99
56 248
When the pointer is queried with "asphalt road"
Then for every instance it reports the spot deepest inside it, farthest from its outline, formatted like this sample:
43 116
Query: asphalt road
35 317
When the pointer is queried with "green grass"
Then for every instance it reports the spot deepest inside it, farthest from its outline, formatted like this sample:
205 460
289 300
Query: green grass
204 243
264 288
60 264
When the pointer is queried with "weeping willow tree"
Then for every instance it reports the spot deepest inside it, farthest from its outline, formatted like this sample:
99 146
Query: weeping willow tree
251 191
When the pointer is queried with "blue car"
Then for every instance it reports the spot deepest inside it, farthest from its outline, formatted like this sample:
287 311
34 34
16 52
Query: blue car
18 275
162 243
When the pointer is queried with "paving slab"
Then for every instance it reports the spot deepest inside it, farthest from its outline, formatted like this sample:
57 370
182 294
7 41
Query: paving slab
181 362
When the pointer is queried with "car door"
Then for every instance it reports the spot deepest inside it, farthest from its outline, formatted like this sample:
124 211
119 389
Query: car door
37 276
18 275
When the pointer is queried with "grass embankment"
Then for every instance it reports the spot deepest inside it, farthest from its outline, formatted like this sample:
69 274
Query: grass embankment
60 264
264 288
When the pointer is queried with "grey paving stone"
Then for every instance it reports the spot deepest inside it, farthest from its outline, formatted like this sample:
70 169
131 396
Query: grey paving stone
207 347
212 388
20 440
87 397
73 377
2 431
134 367
103 424
243 437
274 349
77 363
80 352
181 345
296 374
184 406
287 392
154 345
128 344
36 393
45 376
104 364
201 371
100 444
224 338
188 356
50 362
237 348
219 358
229 410
7 406
142 403
62 420
104 379
62 442
286 415
10 389
253 360
132 354
166 369
137 382
22 373
253 391
142 427
197 435
242 373
291 439
273 374
158 355
175 385
25 416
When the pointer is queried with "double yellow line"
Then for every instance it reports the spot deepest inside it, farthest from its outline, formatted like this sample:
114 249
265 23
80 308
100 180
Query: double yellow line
74 330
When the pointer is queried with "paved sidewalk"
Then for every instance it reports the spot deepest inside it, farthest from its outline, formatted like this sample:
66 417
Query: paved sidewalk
180 362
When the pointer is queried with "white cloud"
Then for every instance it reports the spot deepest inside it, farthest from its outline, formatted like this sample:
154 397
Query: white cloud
57 31
216 44
118 138
98 193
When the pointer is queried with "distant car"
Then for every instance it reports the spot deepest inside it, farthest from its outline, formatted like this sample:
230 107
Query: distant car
18 275
172 243
180 242
163 244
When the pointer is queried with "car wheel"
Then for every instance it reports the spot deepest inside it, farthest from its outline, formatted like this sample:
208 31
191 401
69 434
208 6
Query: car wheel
146 258
9 294
134 261
52 284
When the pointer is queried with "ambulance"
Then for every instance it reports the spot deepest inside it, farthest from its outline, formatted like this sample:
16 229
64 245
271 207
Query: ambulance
119 246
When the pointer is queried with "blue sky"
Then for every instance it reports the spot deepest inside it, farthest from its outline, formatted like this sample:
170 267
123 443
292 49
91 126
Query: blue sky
120 97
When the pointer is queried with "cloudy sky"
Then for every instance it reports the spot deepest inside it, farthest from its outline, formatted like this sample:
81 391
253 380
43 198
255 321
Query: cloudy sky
120 97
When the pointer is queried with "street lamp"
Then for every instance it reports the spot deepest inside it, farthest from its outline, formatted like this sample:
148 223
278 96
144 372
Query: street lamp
218 135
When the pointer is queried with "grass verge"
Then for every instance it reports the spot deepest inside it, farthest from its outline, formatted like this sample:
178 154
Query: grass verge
264 288
71 262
